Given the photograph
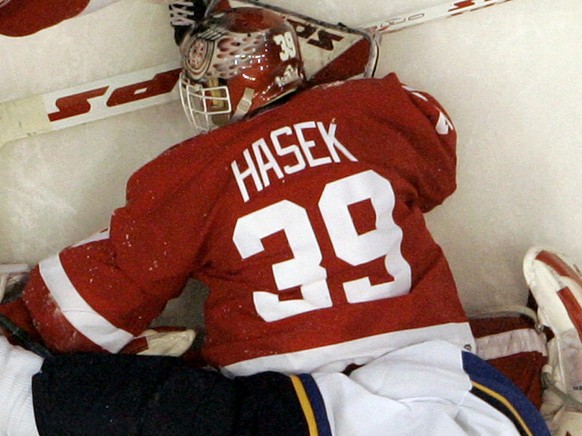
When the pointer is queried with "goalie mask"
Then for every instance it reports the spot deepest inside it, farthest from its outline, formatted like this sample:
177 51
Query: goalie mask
235 62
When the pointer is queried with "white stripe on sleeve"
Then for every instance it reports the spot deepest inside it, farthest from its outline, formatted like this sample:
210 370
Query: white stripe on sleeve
77 311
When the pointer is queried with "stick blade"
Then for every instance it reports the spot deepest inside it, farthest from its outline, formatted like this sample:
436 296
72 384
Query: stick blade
88 102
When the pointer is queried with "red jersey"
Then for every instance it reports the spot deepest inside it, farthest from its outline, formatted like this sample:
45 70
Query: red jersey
306 223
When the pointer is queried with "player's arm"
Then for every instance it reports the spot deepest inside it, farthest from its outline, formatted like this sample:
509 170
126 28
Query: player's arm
81 300
99 294
425 139
434 140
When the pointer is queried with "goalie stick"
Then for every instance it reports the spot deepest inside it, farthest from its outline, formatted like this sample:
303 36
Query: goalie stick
88 102
432 13
140 89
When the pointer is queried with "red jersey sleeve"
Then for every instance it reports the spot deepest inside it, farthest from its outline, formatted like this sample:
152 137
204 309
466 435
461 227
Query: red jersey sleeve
99 294
435 140
408 131
81 300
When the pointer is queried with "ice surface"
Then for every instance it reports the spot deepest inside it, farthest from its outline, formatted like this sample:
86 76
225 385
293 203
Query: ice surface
509 76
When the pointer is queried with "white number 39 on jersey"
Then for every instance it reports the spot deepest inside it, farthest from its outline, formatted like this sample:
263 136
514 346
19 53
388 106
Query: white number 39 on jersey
304 269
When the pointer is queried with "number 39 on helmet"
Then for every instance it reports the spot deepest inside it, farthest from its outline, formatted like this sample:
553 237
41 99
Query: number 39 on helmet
235 62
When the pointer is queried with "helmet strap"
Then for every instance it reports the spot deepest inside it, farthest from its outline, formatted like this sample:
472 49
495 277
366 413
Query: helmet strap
244 104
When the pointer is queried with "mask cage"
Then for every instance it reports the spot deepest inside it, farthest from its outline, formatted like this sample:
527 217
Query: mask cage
204 106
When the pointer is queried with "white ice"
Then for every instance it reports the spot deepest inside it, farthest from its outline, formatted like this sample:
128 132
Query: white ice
509 75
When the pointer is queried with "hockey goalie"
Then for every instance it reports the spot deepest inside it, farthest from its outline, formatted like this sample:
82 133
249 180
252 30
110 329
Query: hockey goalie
332 310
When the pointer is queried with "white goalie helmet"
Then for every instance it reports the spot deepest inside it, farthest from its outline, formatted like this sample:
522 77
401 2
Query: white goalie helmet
235 62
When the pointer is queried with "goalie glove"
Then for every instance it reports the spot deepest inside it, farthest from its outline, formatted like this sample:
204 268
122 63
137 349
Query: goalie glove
161 341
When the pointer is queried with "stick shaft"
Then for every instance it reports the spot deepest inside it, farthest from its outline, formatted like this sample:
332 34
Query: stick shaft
414 18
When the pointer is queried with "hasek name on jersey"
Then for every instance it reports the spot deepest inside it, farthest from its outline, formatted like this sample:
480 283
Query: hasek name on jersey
288 150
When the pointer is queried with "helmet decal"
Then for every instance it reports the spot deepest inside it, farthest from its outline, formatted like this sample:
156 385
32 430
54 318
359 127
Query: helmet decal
235 52
198 57
221 54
